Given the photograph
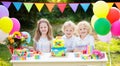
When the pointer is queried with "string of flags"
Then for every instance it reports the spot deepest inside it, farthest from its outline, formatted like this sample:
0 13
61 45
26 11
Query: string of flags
50 6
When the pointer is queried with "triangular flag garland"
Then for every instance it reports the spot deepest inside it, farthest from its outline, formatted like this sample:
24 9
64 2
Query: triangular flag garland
28 6
17 5
39 6
74 6
6 4
110 5
50 6
85 6
61 6
117 4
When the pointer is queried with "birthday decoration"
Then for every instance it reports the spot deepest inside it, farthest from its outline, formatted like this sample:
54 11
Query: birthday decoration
117 4
28 36
93 20
3 35
74 6
98 6
28 6
61 6
85 6
6 24
6 4
115 28
58 49
39 6
102 26
105 38
110 4
113 12
3 11
17 5
50 6
16 25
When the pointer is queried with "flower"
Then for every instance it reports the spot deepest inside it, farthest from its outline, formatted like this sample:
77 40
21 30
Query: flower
16 39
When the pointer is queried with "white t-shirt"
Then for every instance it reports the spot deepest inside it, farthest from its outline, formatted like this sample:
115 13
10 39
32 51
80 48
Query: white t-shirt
43 45
69 42
88 40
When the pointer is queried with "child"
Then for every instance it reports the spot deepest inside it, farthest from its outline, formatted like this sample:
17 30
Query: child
84 38
43 36
68 29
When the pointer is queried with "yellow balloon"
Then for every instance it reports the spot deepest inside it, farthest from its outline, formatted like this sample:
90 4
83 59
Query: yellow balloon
101 9
93 20
6 24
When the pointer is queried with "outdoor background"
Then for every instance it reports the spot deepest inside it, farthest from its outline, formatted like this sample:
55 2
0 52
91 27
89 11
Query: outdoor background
28 22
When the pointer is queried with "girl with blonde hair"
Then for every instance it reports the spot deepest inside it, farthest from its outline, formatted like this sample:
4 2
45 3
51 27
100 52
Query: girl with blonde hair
68 29
84 38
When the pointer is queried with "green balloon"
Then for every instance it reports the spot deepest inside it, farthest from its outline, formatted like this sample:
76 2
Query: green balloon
102 26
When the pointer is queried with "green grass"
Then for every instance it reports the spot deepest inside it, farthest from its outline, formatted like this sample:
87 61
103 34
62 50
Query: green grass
114 50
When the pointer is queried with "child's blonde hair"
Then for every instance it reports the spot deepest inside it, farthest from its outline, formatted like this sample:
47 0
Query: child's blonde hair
68 24
38 33
86 24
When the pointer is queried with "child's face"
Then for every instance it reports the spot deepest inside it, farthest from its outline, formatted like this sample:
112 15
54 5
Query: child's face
83 31
68 32
43 28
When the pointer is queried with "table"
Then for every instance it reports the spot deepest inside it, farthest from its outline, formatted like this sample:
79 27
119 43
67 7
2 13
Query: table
69 60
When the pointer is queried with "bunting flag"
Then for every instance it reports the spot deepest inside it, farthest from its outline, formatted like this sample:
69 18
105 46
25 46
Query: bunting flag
61 6
110 5
85 6
28 6
50 6
17 5
39 6
74 6
117 4
6 4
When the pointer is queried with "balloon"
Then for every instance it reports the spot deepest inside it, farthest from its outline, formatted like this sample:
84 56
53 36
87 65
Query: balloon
6 24
93 19
16 25
113 15
29 37
101 9
3 36
105 38
3 11
102 26
115 28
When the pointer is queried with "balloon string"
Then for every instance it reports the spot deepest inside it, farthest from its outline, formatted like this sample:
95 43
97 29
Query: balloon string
109 54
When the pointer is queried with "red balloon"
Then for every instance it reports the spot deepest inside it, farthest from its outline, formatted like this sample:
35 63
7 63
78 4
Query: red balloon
113 15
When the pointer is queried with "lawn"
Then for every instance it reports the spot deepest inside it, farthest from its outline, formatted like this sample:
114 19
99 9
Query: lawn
114 50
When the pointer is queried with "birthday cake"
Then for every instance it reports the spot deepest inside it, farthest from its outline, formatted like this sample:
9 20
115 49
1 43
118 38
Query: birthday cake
58 49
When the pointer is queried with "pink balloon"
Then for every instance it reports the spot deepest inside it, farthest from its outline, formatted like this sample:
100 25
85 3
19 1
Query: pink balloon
105 38
115 28
16 25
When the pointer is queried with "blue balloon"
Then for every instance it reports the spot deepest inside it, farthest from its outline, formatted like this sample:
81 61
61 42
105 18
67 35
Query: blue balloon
29 37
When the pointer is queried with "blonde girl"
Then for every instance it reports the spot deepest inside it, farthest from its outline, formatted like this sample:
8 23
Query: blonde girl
43 36
68 29
84 38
